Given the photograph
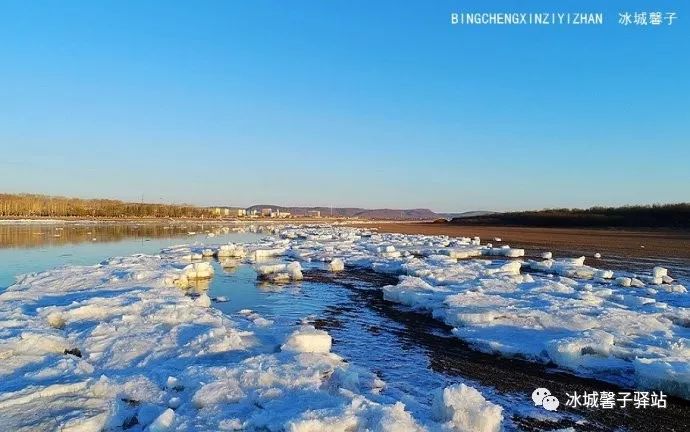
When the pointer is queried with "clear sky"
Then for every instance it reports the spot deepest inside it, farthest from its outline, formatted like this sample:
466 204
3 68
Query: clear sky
343 102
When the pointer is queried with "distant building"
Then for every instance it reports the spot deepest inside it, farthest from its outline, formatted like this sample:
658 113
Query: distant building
241 212
221 211
314 213
266 212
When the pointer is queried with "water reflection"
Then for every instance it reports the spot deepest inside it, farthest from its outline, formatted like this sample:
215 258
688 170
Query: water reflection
27 248
41 235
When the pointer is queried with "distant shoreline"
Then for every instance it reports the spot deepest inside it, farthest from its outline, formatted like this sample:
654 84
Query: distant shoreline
667 216
135 219
653 243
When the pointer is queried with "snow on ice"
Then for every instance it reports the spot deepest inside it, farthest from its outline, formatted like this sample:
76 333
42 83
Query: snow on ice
120 344
616 326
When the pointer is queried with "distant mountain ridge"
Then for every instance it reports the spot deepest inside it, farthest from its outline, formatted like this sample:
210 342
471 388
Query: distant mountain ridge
352 212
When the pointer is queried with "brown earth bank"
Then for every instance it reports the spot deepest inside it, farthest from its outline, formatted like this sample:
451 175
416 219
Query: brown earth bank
578 241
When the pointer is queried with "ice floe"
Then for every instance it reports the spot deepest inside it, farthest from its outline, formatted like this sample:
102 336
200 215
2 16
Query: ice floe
617 326
120 346
464 409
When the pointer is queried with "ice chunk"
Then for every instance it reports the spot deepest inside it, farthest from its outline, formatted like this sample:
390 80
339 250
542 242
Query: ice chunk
636 283
308 339
265 270
581 351
203 300
659 272
597 255
231 251
505 251
260 254
202 270
624 281
163 422
547 255
576 262
56 320
463 253
294 269
462 408
336 264
669 375
280 272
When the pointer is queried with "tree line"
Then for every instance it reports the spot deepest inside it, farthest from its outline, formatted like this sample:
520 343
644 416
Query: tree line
30 205
650 216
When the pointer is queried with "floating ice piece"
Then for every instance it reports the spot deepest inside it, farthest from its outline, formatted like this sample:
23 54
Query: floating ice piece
202 270
634 282
623 281
280 272
505 251
511 267
267 253
652 280
308 339
266 269
547 255
231 251
462 408
659 272
336 265
294 269
597 255
207 253
173 383
163 422
463 253
497 239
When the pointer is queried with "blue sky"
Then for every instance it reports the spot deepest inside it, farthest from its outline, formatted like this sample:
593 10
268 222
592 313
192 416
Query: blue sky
346 103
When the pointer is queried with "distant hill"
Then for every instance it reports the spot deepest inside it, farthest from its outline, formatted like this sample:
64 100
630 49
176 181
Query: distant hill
466 214
355 212
654 216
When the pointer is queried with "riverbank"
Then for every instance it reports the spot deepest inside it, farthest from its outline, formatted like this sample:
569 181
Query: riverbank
648 243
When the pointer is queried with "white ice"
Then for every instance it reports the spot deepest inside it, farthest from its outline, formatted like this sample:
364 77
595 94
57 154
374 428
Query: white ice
120 345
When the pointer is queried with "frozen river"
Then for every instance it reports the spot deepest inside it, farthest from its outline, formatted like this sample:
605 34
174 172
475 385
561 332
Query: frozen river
412 352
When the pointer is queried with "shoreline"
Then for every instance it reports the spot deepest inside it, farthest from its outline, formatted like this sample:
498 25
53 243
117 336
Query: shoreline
639 243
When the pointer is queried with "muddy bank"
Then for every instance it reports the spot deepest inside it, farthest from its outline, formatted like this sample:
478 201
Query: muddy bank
619 249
